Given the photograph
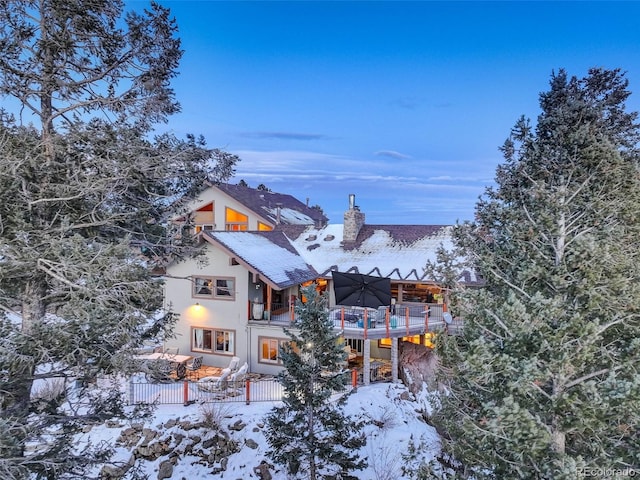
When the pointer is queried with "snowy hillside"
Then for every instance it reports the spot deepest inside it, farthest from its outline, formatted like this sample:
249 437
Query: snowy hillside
183 443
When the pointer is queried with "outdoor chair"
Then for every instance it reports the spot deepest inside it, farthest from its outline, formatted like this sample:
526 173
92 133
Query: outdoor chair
233 364
240 374
194 365
171 350
213 384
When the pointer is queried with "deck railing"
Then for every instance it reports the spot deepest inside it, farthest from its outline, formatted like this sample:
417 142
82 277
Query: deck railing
251 390
429 315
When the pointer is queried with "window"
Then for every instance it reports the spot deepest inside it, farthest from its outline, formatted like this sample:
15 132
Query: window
264 227
428 340
220 288
211 340
235 220
204 227
270 350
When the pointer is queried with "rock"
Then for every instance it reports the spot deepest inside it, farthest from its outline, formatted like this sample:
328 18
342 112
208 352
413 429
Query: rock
165 470
148 436
128 437
171 423
143 451
262 471
237 426
116 472
210 442
188 448
187 425
419 365
252 444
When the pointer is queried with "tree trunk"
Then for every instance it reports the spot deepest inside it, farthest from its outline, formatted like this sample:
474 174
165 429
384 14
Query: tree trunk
17 396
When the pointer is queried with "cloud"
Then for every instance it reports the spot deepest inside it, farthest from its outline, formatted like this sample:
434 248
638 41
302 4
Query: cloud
407 103
285 135
392 154
412 103
423 191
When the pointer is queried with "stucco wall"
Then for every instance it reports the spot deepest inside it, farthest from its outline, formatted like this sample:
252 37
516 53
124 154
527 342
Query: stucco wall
224 314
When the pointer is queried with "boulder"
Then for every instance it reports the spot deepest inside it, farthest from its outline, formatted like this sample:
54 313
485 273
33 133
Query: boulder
419 364
165 470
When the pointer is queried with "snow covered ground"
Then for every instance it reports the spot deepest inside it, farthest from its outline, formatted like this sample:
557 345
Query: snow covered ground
396 421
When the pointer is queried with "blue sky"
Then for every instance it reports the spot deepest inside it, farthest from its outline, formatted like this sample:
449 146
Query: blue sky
403 104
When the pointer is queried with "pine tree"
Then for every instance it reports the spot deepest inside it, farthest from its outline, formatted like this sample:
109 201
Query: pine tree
310 434
544 381
84 191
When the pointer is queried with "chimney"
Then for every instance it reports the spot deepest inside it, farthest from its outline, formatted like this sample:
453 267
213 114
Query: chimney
278 208
353 221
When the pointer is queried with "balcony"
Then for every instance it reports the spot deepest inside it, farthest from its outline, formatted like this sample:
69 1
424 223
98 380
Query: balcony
358 322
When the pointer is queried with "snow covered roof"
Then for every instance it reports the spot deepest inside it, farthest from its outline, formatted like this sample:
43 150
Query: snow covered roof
398 252
295 254
267 253
277 207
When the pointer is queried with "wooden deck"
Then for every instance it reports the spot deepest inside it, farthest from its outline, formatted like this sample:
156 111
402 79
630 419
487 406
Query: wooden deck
406 320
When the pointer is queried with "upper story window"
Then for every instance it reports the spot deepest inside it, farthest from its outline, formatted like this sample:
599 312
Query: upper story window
203 218
220 288
206 226
264 227
235 220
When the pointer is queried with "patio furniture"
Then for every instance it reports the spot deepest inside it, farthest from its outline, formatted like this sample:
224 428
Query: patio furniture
158 371
194 365
352 317
214 384
171 350
233 364
238 376
160 366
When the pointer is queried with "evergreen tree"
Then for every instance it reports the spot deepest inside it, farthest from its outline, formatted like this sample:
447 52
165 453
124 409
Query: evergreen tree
84 190
544 381
310 434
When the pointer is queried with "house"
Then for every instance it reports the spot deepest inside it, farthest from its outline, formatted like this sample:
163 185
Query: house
237 302
241 208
